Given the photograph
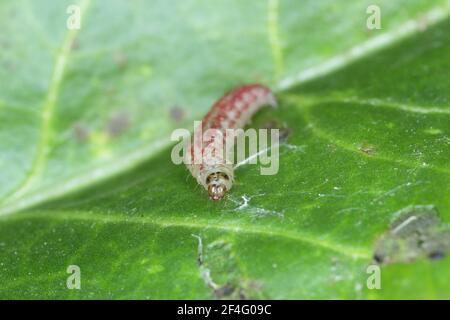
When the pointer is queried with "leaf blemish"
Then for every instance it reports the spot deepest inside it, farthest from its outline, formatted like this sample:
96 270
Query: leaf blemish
75 45
218 258
415 233
367 148
285 132
177 114
118 124
81 132
256 212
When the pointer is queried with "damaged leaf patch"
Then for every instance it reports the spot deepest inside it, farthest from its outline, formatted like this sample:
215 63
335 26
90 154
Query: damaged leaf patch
416 233
220 271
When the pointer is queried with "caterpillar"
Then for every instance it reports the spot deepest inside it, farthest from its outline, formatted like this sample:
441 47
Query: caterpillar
232 111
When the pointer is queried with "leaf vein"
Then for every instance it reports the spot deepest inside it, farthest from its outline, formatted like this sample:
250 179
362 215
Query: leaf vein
48 109
348 251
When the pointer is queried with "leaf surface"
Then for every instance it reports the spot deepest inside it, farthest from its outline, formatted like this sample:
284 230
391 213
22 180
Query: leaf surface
85 148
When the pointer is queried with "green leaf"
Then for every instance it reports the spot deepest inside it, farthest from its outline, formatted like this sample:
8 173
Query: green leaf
87 178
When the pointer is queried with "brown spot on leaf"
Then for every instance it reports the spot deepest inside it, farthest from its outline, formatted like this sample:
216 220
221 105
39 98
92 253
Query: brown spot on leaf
285 132
81 132
177 114
118 124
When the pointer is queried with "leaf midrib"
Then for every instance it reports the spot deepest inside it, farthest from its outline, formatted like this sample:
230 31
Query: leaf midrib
162 221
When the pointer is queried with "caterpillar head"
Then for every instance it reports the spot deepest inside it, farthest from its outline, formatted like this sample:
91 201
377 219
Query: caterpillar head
217 183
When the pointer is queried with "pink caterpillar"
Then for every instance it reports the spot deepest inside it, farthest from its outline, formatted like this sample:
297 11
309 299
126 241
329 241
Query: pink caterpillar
232 111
